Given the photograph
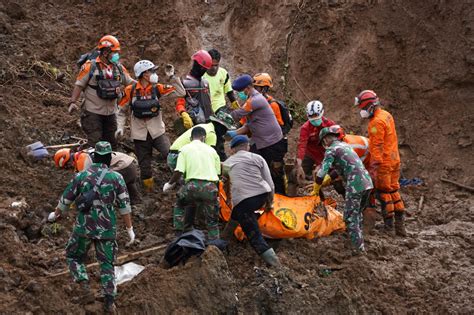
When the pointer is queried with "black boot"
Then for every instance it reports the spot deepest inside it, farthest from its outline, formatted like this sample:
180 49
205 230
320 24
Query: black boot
400 224
109 305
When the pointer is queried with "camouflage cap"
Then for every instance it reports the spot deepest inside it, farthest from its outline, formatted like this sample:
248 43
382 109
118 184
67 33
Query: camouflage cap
224 119
326 131
103 148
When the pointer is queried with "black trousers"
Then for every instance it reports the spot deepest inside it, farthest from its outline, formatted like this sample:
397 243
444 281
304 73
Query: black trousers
130 176
144 152
99 128
274 156
244 213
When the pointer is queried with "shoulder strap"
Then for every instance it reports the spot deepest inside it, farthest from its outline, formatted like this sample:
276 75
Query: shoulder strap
131 93
156 92
102 175
120 70
93 68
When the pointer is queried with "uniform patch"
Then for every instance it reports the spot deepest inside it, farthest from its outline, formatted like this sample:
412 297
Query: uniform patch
373 130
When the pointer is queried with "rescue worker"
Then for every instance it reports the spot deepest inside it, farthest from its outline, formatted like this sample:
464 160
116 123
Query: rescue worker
121 163
359 144
267 137
101 80
96 223
220 85
310 151
185 138
357 182
262 83
384 159
251 189
200 166
195 107
141 102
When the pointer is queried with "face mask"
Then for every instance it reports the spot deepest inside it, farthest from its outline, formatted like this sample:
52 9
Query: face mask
153 78
316 122
115 58
364 113
242 95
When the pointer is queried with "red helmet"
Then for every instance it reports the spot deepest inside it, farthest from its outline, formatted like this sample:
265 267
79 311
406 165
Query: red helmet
203 58
109 41
337 130
366 98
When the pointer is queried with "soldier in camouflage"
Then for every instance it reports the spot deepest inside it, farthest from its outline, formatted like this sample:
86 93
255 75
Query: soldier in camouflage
200 166
96 225
357 182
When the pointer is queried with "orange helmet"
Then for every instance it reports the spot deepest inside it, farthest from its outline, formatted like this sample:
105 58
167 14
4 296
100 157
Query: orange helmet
262 79
366 98
81 161
61 157
110 42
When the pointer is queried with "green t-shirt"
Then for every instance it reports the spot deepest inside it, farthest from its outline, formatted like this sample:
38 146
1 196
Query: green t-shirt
198 160
185 138
219 85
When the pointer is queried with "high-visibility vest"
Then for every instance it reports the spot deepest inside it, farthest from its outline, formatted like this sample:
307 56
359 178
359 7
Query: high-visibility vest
360 145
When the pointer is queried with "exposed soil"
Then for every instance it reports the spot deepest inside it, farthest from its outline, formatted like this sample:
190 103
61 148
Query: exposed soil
417 55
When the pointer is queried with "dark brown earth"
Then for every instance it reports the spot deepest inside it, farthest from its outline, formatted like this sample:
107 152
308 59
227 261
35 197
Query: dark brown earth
417 55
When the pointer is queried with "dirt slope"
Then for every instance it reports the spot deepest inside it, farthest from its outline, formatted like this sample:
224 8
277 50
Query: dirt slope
418 56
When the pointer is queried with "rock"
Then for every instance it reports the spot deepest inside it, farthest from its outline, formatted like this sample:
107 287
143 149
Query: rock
464 142
34 287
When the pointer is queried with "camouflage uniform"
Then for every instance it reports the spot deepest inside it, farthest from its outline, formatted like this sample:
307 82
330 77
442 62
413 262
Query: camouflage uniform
97 225
201 196
358 184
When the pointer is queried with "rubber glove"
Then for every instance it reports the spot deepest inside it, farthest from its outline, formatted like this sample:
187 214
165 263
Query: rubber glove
316 189
234 105
326 181
72 107
169 70
52 217
131 235
167 187
231 133
119 133
187 121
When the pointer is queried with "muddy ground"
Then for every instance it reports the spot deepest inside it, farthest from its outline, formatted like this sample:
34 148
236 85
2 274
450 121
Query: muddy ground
418 56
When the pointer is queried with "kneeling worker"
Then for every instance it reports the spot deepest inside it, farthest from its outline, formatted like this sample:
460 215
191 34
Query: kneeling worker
251 188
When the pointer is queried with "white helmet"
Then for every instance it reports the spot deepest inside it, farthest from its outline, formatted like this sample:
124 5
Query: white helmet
315 108
142 66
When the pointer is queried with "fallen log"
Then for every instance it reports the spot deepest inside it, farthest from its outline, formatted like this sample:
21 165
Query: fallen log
469 188
120 260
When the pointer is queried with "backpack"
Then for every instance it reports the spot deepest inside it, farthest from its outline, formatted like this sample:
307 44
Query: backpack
145 108
91 55
106 88
285 115
85 200
189 244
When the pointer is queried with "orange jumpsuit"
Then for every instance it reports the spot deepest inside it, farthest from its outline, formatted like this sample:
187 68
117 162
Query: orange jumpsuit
360 145
385 161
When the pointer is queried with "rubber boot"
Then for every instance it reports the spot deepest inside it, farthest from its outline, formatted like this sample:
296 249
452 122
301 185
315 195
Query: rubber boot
229 229
271 258
387 225
400 224
369 218
109 306
148 184
84 295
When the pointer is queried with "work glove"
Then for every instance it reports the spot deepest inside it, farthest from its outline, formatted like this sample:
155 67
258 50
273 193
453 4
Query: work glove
52 216
167 187
169 70
231 133
326 181
72 107
316 189
187 121
119 133
234 105
131 235
300 175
